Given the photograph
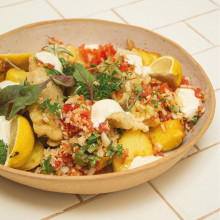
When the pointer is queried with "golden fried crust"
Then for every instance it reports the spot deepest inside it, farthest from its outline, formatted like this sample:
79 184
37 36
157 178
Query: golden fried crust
44 123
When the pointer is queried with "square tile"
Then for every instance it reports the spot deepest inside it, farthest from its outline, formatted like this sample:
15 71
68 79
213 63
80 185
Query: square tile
9 2
156 13
208 25
209 60
192 185
185 37
82 8
140 202
28 203
216 2
108 16
25 13
212 136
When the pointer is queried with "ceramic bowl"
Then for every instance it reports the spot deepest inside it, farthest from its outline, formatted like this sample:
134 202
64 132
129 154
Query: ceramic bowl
31 38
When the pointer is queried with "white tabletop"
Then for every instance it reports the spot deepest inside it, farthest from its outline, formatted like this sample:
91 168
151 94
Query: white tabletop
189 190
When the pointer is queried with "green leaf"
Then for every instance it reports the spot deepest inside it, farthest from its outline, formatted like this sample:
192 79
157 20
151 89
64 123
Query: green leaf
81 74
94 161
93 139
3 152
17 97
46 167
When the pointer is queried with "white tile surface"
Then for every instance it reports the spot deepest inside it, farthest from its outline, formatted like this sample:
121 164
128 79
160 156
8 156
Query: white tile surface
24 203
209 60
215 216
140 203
75 8
208 25
191 186
9 2
107 15
25 13
156 13
185 37
212 134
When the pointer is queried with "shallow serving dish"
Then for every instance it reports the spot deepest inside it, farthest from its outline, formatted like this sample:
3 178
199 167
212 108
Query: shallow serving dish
31 38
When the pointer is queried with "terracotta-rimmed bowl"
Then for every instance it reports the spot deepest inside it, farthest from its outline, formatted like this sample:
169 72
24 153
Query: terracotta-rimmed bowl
31 38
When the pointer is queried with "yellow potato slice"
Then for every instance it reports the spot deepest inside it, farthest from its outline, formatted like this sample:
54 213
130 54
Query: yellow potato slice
19 60
75 53
103 163
148 57
169 139
35 158
16 75
137 144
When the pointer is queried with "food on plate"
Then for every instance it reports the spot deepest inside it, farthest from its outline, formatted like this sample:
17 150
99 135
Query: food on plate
94 109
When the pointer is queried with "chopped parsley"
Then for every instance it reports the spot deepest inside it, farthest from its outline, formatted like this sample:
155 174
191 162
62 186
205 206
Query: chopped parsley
46 167
155 102
53 108
3 152
115 149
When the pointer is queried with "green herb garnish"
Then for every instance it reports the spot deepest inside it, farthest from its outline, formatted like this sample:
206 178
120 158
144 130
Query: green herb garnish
53 108
16 97
46 168
194 119
3 152
155 103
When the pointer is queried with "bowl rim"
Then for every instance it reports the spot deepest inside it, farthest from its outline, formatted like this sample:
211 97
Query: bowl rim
173 155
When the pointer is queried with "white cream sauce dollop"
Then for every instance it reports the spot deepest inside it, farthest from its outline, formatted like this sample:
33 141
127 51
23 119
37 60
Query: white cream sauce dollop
187 101
4 129
47 57
103 109
6 83
140 161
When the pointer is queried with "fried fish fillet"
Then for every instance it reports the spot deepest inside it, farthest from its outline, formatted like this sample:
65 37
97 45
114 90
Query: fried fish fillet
44 123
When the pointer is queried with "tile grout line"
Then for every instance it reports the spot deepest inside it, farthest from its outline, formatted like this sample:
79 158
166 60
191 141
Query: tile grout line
201 35
201 150
214 3
209 214
197 148
163 198
183 20
79 197
16 3
73 206
50 5
118 15
131 3
216 90
202 51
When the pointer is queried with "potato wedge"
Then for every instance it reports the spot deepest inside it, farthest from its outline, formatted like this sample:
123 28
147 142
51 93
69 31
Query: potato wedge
169 139
137 144
20 60
148 57
35 158
103 163
16 75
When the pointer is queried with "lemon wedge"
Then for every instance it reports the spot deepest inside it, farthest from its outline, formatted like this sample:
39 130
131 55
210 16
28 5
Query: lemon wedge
167 69
16 75
21 142
147 57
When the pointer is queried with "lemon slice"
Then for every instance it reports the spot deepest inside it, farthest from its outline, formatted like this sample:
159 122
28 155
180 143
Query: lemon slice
21 142
16 75
168 69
